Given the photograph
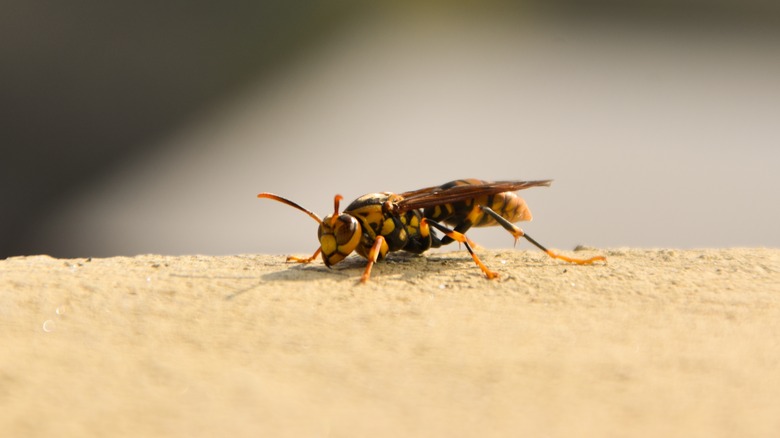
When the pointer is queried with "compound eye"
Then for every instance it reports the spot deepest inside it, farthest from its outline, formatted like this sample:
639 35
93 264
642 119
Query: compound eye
345 229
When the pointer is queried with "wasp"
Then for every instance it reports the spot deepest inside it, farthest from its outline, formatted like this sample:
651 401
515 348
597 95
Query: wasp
376 224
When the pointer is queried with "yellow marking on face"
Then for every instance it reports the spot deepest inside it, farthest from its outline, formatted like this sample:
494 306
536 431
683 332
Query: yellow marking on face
328 243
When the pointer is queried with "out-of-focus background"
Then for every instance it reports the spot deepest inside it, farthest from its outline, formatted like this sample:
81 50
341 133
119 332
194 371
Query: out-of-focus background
133 127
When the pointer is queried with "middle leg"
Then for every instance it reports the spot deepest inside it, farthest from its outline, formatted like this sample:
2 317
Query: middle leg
460 237
379 247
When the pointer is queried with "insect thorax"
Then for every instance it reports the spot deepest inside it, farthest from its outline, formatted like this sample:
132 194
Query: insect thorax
375 219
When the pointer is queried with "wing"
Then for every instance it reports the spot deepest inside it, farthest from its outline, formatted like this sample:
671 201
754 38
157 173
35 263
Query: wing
432 196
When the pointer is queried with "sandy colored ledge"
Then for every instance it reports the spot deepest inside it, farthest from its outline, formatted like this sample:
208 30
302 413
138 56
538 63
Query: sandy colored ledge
656 343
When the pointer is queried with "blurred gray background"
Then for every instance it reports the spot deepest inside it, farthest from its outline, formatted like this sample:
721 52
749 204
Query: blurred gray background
134 128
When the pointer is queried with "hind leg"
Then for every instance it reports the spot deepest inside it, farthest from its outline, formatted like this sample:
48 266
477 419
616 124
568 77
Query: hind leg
515 231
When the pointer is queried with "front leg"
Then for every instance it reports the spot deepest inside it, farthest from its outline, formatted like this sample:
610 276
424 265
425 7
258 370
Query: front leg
379 247
306 260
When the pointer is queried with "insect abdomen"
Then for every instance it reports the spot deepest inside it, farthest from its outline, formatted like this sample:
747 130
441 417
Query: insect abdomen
507 204
510 206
